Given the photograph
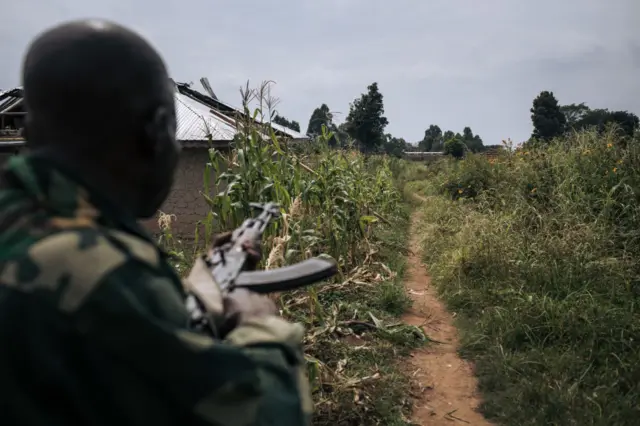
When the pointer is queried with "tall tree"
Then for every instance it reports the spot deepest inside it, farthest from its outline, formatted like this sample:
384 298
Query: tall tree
432 140
573 113
448 135
473 142
293 125
320 116
394 146
599 119
366 122
548 120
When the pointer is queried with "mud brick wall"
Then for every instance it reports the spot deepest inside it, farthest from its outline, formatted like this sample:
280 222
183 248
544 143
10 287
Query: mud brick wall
186 201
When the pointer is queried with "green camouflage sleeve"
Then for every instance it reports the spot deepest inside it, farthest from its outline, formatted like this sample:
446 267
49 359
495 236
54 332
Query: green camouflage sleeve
128 312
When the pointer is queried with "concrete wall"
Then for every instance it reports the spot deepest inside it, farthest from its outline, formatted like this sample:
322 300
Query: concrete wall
425 157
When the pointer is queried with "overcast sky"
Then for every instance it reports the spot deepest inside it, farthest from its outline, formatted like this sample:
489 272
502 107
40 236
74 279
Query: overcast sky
454 63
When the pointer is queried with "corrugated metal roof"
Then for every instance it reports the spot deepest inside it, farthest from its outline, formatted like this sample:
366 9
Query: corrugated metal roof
196 122
10 98
290 132
216 103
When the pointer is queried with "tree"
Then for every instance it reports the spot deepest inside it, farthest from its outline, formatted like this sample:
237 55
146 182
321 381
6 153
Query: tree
573 113
600 118
366 122
455 147
448 135
432 140
473 142
548 121
293 125
320 116
628 121
580 117
395 146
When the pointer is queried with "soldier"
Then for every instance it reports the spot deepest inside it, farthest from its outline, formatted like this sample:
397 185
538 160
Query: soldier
93 327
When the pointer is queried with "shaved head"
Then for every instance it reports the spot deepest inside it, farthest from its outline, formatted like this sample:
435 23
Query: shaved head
98 96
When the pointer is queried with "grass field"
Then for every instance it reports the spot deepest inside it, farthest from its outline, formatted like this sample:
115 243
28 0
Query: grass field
537 252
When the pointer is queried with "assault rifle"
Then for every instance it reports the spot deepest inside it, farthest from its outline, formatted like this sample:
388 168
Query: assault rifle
226 264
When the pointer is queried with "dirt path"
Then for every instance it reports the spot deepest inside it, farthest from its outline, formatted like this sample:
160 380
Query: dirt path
447 386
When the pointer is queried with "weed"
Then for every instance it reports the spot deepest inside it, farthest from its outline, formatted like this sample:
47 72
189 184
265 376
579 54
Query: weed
539 256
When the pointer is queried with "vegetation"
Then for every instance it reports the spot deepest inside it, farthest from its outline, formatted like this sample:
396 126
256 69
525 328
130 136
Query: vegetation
551 120
366 122
335 203
293 125
548 120
455 148
434 140
536 250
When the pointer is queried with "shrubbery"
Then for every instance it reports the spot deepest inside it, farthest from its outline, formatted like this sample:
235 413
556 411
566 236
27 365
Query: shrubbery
538 251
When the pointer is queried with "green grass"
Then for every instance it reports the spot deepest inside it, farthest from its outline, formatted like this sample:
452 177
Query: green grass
538 254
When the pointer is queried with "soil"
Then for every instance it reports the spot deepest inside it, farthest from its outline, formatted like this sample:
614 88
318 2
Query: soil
446 384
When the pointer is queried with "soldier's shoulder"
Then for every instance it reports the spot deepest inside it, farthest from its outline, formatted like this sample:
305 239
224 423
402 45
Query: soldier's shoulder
70 263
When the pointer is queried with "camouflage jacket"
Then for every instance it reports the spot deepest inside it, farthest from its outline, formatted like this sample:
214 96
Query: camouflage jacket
93 329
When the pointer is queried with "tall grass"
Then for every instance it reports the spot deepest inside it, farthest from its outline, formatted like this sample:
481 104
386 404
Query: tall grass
346 206
538 251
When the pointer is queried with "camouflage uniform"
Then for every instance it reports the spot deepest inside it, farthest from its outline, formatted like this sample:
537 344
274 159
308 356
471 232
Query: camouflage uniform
93 325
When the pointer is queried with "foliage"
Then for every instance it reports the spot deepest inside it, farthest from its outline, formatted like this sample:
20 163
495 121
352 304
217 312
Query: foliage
340 204
394 146
366 122
455 147
293 125
573 113
548 121
432 140
600 118
321 116
538 257
581 117
473 142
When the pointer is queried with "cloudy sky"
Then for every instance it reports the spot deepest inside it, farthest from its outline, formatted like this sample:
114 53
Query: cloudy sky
454 63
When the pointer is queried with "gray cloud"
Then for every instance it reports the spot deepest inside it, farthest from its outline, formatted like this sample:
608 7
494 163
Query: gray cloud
470 62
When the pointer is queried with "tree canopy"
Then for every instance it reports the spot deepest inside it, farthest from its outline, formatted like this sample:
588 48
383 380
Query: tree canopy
320 116
366 121
293 125
548 120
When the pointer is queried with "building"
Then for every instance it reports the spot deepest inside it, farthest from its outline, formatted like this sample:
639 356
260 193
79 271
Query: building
203 121
424 156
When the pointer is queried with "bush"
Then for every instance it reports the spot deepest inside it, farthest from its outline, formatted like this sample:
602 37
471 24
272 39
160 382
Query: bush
455 148
541 261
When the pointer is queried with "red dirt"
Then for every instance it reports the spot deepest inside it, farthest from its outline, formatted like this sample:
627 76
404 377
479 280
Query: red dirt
446 383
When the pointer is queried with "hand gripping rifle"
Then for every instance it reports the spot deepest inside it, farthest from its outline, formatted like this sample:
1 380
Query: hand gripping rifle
226 264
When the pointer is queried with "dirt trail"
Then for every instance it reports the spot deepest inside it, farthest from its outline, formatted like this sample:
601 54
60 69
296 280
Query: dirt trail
447 387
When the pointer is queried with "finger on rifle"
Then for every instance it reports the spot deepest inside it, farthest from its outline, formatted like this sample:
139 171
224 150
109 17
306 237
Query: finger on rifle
222 238
254 254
